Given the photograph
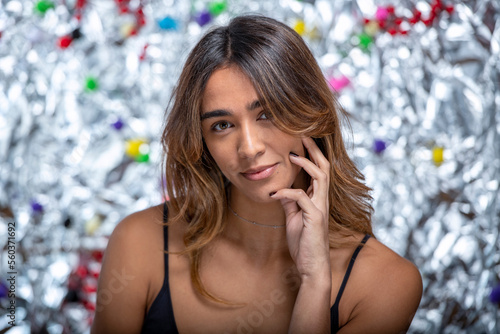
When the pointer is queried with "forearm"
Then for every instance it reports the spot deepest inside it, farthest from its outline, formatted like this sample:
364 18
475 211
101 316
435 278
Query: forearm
311 312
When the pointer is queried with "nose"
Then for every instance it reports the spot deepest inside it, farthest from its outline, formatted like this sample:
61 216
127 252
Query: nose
251 143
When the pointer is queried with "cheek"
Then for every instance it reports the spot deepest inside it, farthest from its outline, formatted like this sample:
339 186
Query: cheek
222 158
285 142
216 154
297 147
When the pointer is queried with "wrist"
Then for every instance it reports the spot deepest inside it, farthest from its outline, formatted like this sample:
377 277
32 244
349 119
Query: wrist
318 281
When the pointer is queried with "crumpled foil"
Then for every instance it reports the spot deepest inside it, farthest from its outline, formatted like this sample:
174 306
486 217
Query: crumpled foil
83 87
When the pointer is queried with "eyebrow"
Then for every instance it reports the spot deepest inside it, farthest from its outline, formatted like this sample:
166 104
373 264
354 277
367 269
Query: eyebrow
254 105
215 113
223 112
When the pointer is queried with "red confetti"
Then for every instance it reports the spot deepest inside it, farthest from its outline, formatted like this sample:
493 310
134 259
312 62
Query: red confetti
140 17
95 273
64 42
427 22
89 305
81 271
79 6
97 255
88 288
80 3
143 53
392 23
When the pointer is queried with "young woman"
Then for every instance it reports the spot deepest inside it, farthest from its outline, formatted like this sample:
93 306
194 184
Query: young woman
268 227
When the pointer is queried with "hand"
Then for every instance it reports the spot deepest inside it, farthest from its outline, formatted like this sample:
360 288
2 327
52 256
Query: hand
307 214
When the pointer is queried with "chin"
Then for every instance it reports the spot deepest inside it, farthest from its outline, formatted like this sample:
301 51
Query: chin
261 197
258 194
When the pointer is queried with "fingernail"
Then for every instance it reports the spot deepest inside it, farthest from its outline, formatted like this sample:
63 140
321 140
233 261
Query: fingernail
272 193
293 154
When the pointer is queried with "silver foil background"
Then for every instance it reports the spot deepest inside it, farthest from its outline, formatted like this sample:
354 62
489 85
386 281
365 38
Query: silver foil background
68 171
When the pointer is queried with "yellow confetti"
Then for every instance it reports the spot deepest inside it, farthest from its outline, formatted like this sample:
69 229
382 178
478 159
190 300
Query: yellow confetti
133 147
92 225
300 27
127 29
437 155
371 28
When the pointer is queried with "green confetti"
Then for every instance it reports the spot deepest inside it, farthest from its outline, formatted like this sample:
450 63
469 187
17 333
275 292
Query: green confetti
217 7
365 41
91 84
43 5
142 158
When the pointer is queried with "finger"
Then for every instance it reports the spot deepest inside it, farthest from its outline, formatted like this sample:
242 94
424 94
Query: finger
299 196
320 179
316 155
290 207
309 190
310 167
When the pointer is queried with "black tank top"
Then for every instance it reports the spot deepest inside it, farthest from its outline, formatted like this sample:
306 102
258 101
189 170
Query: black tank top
160 317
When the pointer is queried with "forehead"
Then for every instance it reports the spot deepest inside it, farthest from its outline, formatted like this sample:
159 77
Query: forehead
228 87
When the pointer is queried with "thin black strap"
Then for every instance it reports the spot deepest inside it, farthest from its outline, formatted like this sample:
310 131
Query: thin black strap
335 308
165 212
160 317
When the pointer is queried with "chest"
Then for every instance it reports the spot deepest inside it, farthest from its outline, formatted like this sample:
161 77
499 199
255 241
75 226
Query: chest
257 302
270 314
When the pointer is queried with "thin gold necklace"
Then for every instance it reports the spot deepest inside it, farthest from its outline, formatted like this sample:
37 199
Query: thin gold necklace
252 222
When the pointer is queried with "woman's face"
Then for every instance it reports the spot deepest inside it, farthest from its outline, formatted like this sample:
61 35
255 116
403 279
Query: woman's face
249 149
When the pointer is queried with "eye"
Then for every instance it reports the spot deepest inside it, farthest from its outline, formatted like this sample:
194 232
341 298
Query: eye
221 126
265 116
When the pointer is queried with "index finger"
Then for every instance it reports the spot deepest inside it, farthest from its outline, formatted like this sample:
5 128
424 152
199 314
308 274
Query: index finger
316 155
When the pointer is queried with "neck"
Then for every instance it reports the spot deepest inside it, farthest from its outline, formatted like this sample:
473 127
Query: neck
262 242
253 222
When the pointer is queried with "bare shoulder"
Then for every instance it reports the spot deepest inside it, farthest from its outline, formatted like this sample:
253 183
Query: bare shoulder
137 242
388 291
127 272
134 237
385 265
139 224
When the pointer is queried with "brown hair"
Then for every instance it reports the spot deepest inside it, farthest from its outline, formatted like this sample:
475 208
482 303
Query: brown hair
292 88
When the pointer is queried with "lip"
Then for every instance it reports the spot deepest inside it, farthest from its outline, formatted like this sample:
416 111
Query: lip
259 173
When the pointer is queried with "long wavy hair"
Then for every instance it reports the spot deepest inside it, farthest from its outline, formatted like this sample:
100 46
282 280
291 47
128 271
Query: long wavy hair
293 89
